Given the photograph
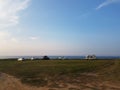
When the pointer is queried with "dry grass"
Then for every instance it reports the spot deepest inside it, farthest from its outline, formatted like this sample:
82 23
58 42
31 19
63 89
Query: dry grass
66 75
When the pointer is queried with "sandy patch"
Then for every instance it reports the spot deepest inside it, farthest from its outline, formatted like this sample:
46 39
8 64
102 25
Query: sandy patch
8 82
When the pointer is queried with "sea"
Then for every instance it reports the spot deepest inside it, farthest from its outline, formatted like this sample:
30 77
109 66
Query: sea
56 57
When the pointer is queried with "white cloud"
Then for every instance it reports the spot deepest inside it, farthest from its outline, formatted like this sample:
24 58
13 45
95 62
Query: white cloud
13 39
3 37
6 37
106 3
33 38
9 11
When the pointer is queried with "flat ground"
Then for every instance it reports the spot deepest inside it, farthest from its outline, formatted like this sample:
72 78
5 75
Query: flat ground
60 75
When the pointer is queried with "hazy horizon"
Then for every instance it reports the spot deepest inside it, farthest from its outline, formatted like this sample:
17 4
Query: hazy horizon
59 27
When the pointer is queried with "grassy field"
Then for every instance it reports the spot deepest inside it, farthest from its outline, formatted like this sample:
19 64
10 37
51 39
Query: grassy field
39 73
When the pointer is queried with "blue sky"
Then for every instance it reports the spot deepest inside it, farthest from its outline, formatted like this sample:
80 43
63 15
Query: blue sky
59 27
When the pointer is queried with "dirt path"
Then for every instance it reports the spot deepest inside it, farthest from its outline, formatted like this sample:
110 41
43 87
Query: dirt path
8 82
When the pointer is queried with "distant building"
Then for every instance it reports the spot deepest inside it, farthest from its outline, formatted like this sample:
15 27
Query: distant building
32 58
90 57
61 58
21 59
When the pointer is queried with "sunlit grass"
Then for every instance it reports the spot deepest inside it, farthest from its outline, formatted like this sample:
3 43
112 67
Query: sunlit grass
38 72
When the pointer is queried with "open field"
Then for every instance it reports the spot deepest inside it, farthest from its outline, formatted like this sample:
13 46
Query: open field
65 74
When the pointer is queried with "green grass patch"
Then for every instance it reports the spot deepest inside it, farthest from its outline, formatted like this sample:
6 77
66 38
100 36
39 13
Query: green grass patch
38 72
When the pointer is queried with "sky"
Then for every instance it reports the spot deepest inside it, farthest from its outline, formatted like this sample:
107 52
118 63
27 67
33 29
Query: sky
59 27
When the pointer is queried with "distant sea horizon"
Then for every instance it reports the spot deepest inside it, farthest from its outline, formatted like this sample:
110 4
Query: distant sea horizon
56 57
